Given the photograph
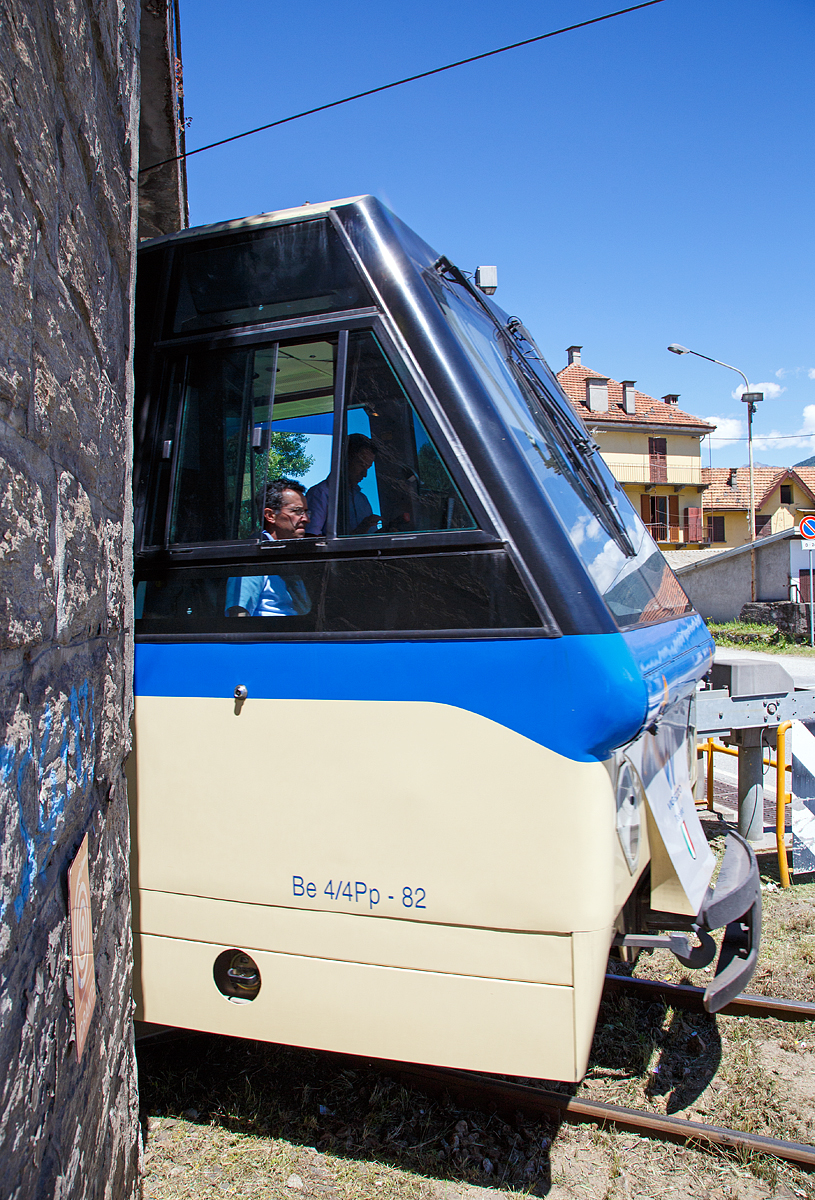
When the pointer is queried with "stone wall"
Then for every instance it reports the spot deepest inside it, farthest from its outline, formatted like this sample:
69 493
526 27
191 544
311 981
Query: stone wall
163 190
719 586
786 615
69 97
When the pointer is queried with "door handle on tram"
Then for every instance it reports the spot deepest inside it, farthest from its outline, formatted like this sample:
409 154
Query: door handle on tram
241 692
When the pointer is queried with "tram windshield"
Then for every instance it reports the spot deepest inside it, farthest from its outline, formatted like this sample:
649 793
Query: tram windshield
627 567
328 408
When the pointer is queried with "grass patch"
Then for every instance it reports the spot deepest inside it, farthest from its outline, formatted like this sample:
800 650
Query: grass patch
751 636
289 1111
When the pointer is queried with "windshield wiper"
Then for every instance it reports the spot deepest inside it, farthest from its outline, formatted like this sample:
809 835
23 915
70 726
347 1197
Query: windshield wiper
572 448
576 453
586 461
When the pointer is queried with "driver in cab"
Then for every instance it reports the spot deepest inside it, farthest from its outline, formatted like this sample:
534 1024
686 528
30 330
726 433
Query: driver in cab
285 516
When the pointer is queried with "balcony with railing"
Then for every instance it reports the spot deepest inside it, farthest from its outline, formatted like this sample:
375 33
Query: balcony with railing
644 469
678 535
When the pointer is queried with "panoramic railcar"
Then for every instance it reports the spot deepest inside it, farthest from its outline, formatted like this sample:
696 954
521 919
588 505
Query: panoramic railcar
414 729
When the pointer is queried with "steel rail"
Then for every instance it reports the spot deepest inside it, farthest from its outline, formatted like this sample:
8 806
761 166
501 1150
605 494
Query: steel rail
481 1091
487 1093
683 995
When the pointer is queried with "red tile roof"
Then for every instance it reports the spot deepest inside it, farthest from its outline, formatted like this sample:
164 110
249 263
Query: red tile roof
807 477
649 411
722 494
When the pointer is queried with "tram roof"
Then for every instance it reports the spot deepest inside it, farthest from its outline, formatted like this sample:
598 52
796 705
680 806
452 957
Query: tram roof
259 221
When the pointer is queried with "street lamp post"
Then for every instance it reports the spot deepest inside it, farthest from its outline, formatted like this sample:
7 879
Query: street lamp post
750 399
751 755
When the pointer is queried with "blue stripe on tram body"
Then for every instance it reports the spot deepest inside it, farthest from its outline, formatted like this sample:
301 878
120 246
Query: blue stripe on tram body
580 696
672 657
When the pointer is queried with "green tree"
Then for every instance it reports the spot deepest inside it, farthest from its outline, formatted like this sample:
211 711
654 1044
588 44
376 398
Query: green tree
287 456
431 471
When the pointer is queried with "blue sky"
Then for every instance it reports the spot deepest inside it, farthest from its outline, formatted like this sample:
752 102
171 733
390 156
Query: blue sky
646 180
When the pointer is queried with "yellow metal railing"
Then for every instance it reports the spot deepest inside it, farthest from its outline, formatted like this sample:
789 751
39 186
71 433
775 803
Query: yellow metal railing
782 799
782 796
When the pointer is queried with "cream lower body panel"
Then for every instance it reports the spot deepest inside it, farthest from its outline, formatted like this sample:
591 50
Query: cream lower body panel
511 847
354 1008
489 1000
375 941
492 828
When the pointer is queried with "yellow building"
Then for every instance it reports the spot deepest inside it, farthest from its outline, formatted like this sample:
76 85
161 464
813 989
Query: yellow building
782 497
652 446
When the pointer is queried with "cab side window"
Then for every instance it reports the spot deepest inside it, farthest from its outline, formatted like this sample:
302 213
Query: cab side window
234 420
215 465
392 479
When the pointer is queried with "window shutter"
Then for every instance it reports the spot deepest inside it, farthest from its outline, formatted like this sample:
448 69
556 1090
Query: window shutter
693 525
645 508
658 461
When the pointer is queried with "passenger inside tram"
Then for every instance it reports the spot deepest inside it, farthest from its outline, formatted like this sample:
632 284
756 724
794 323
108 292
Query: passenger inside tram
285 515
359 517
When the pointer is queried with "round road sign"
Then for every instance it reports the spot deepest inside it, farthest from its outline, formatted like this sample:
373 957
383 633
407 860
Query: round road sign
806 527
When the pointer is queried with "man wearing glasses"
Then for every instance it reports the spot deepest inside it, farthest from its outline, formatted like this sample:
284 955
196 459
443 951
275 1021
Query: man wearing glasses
285 516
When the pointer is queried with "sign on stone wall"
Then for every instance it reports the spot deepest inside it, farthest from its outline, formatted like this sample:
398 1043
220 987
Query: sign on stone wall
82 963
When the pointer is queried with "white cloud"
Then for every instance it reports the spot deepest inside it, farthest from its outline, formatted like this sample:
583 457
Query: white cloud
728 430
804 437
771 390
606 565
586 526
794 372
774 440
732 430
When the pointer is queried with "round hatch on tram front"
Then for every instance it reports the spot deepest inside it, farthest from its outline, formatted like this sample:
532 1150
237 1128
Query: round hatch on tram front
236 976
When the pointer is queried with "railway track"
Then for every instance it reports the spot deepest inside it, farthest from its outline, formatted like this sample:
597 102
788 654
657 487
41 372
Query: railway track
485 1092
681 995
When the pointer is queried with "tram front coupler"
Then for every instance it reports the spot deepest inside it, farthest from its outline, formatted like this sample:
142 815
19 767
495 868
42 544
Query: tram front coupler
733 902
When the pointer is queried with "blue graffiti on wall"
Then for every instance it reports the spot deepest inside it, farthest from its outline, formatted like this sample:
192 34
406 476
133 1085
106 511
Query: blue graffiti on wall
73 737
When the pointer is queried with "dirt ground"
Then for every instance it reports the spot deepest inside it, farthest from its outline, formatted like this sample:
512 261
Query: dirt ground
224 1117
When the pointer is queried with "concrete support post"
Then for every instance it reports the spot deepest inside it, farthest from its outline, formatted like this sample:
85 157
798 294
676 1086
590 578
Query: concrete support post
751 785
765 682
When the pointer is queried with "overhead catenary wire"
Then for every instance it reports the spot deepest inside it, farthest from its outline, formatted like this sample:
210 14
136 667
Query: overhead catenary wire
399 82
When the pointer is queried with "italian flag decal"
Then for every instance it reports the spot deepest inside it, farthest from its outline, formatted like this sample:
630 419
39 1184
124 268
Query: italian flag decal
688 842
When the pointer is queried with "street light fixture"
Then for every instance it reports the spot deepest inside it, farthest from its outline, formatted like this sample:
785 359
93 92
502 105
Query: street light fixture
750 399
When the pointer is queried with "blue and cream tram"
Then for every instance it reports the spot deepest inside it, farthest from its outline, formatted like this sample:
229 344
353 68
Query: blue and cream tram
414 734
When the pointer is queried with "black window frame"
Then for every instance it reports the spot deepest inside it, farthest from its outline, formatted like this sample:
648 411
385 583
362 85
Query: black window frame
156 356
275 629
230 239
174 352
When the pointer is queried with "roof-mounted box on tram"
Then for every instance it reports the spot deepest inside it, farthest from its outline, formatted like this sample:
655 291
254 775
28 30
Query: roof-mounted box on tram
405 768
